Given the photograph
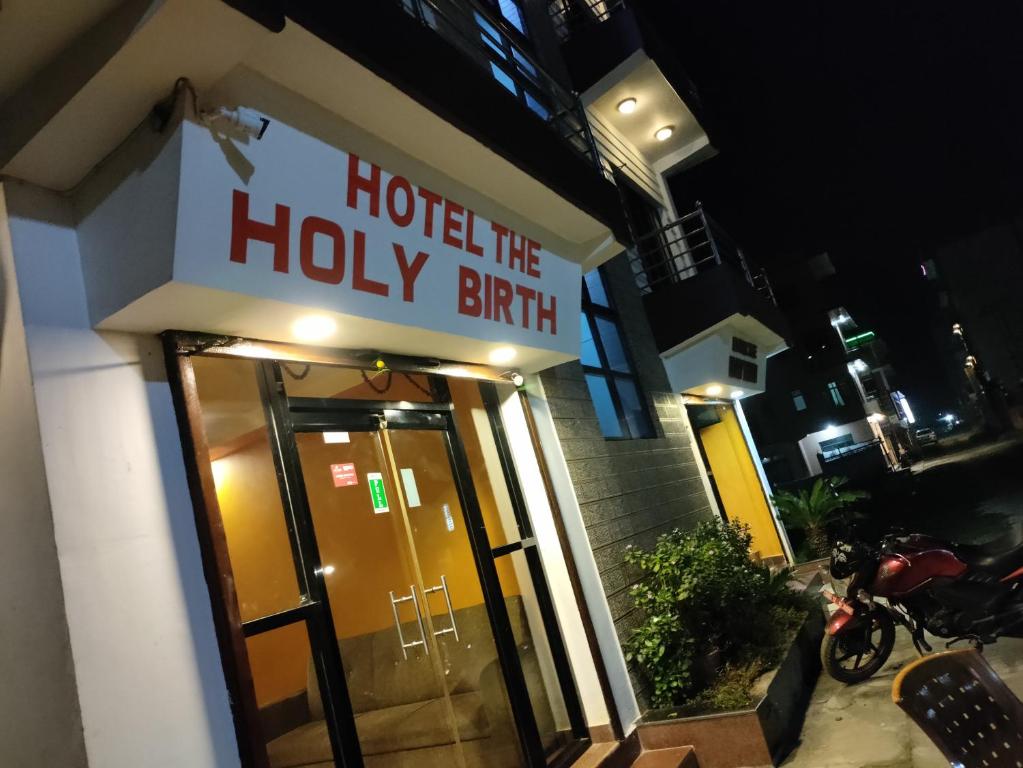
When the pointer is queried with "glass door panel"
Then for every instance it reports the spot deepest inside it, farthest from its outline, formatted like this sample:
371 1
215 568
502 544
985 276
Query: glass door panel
252 513
454 604
403 714
518 570
539 666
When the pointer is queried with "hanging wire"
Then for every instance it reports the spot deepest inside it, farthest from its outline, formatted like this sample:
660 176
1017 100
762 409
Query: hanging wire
417 385
390 380
374 387
297 376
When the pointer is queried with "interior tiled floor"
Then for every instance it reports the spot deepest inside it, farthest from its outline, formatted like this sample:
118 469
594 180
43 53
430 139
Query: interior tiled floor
859 726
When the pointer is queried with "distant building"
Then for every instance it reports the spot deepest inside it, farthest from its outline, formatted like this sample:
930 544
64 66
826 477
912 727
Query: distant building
832 394
979 280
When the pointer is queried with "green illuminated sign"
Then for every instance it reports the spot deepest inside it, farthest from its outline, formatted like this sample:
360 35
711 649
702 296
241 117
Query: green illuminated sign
375 481
859 339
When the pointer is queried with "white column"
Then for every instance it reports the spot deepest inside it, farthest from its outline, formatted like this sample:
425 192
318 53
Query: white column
150 680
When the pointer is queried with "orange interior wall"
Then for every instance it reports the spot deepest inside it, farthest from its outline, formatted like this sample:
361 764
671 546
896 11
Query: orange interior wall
738 483
359 544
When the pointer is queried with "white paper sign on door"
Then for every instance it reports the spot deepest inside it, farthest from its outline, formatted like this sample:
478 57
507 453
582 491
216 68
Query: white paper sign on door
408 479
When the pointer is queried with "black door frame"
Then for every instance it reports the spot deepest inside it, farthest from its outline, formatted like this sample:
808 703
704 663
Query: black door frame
313 415
287 416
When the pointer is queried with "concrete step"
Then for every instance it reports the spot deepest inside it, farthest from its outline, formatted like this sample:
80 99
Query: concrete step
673 757
596 755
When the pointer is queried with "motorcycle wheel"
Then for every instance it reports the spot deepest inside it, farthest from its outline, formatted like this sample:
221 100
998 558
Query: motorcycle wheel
857 655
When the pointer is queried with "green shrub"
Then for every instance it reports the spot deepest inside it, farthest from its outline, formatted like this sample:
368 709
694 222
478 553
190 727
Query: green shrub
699 592
813 509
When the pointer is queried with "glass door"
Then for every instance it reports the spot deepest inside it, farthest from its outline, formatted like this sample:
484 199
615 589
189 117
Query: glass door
383 598
422 668
455 603
398 697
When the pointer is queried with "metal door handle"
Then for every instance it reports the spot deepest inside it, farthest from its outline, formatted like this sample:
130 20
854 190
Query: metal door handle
419 620
443 587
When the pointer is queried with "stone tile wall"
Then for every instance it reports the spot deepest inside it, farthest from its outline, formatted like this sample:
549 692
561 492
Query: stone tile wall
629 491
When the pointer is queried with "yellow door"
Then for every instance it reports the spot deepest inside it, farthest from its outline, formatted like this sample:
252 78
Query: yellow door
737 482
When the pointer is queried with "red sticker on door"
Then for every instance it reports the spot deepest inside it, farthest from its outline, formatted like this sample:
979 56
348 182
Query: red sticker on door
344 475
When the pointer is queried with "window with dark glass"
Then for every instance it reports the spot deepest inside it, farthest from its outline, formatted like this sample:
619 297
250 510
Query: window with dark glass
614 388
836 393
509 62
743 370
511 10
798 400
743 347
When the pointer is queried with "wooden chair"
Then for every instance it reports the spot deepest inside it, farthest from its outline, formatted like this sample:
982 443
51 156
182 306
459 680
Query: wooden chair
965 708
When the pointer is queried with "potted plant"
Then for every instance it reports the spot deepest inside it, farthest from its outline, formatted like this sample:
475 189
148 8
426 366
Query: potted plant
814 509
704 603
726 650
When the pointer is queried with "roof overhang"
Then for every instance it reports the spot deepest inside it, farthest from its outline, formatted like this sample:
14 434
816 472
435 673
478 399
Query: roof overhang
658 105
69 114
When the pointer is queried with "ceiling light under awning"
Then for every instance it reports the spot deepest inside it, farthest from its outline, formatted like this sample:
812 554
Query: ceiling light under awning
311 328
502 355
627 106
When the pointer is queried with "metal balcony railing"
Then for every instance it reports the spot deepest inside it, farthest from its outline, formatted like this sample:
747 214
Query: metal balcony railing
492 44
685 248
570 15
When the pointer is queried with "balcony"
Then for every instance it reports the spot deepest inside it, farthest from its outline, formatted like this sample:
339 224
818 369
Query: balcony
711 309
596 36
614 53
472 67
497 47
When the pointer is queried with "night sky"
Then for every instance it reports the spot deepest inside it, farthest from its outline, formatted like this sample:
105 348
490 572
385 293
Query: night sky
870 130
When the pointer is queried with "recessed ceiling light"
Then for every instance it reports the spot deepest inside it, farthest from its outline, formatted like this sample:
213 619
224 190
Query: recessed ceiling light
502 355
313 327
219 472
737 393
627 106
714 390
663 134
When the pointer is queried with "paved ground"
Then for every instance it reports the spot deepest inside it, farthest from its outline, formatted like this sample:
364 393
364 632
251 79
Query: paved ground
970 493
859 727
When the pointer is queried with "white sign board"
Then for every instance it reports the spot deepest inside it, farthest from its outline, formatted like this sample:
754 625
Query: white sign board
304 222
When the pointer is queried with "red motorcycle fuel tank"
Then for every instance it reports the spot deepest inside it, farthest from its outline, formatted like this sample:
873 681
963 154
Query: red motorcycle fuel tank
918 559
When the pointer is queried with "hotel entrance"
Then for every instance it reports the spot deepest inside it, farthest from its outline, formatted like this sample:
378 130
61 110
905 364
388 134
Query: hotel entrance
381 597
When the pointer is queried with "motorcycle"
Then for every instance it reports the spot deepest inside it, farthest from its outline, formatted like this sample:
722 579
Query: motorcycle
957 592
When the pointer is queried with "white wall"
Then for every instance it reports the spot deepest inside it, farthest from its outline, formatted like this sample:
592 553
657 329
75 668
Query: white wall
40 722
150 681
810 445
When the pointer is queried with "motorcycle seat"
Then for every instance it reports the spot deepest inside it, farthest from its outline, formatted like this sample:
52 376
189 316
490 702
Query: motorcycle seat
999 556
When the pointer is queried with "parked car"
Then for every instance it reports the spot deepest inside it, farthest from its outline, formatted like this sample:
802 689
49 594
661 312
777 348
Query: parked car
925 436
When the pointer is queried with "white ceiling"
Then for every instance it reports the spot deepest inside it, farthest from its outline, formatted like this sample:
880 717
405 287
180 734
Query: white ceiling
658 105
32 32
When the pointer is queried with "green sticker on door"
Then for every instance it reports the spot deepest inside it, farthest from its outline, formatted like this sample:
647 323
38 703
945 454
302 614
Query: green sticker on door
375 481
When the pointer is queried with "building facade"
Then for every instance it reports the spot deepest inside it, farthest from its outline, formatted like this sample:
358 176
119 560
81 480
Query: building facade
977 280
834 406
338 367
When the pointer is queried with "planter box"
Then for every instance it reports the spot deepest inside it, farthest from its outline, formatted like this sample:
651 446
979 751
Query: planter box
753 738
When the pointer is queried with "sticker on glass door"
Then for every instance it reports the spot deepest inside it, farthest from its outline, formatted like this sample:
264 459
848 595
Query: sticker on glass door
408 479
375 480
344 475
